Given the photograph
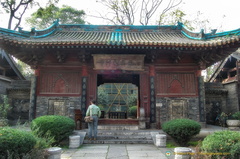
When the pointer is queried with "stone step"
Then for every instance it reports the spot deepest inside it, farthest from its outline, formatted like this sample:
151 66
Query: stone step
124 132
123 137
118 127
119 141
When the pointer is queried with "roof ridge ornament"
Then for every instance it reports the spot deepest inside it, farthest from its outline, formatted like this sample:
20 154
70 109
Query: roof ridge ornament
180 25
213 31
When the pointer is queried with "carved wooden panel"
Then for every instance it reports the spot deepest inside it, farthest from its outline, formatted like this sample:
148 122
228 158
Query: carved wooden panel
176 84
118 62
60 82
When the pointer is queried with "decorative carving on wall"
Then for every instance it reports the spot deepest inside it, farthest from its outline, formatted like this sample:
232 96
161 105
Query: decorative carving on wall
176 84
177 56
60 84
57 107
152 56
178 108
84 94
33 59
64 82
84 56
61 57
128 62
152 100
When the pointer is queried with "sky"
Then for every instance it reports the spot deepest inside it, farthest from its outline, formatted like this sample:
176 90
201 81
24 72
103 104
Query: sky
221 14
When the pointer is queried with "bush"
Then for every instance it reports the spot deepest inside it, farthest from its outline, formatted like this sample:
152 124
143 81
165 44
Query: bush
236 115
133 111
222 142
15 142
58 127
181 130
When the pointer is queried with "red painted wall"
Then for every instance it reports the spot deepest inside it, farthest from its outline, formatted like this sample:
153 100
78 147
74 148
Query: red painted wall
59 82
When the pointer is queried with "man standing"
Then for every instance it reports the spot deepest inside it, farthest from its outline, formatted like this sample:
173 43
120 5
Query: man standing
95 112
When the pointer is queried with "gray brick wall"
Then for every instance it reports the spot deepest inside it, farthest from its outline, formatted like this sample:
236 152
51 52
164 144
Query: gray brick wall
47 105
232 97
170 108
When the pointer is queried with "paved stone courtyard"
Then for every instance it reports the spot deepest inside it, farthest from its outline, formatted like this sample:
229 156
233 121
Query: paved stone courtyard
117 151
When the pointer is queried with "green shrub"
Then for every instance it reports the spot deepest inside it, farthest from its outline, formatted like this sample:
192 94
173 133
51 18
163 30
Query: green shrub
15 142
236 115
222 142
181 130
58 127
133 111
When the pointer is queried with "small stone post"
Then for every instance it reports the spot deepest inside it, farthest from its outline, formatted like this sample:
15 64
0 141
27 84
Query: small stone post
182 153
161 140
74 141
54 153
142 119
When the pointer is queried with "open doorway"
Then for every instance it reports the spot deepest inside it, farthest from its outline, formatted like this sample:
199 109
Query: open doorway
118 96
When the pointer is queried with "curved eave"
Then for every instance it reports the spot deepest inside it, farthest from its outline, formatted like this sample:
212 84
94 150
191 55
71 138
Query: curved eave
207 36
115 44
12 64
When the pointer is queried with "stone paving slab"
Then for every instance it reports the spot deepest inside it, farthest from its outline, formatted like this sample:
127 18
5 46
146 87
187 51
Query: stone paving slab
117 151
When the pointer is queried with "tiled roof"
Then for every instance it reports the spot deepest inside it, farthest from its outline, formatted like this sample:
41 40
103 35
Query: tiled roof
119 36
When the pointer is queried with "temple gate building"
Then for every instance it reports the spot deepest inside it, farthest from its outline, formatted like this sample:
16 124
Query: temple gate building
162 64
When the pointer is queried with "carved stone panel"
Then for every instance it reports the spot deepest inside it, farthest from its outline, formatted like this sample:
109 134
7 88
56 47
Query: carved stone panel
58 107
178 109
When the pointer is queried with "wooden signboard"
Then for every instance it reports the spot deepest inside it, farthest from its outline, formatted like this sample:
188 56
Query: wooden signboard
118 62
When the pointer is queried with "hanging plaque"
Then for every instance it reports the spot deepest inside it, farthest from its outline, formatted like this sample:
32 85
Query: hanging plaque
118 62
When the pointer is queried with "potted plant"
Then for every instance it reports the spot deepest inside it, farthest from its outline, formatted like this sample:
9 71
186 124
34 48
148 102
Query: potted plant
4 108
233 121
222 118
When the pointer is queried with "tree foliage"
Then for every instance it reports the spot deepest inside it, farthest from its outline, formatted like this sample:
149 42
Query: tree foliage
16 9
44 17
124 12
25 69
103 99
173 17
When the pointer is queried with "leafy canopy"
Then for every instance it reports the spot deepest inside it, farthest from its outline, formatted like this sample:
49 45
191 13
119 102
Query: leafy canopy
44 17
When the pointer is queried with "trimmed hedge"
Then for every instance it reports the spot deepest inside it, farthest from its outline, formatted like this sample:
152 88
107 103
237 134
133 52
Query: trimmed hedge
15 142
181 130
58 127
222 142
